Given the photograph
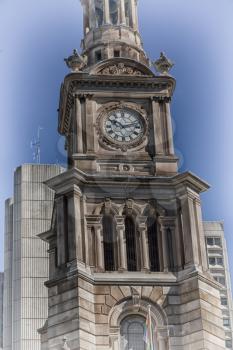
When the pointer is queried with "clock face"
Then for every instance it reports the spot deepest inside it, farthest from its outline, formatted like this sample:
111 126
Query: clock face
124 125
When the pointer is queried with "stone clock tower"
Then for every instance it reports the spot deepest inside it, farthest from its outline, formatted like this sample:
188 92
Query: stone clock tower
126 234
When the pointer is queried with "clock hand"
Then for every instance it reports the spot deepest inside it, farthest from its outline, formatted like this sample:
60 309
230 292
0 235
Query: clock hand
128 125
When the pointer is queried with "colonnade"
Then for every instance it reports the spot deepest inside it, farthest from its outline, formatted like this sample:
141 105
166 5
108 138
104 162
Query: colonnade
130 19
95 243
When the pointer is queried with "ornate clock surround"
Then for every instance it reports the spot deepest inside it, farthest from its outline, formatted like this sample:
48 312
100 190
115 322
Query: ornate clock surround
110 144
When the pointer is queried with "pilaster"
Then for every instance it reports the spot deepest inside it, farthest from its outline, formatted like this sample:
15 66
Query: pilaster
190 234
74 225
169 128
61 231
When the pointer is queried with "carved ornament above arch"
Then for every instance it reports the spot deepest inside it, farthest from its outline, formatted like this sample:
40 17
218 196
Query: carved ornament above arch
121 67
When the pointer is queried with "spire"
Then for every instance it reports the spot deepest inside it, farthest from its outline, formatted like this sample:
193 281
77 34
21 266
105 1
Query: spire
111 30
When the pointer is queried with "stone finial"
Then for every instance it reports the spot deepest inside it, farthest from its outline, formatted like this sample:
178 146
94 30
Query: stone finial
65 346
163 65
75 62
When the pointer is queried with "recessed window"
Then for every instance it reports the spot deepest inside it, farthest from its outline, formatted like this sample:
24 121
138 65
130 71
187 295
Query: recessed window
109 236
128 13
214 241
212 261
229 344
216 261
98 56
114 11
152 232
116 53
132 250
224 301
226 322
99 12
132 333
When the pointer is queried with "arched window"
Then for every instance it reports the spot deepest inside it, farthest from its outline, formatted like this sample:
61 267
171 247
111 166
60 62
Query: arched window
132 333
153 243
99 12
128 13
114 11
132 244
109 236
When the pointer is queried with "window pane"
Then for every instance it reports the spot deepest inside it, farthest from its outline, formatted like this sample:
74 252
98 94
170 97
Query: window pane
219 261
212 261
226 322
132 333
210 241
217 241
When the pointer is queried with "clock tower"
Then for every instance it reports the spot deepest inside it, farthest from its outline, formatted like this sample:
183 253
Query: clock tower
126 238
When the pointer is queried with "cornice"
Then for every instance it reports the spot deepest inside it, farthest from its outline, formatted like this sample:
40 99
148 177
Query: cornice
84 83
66 181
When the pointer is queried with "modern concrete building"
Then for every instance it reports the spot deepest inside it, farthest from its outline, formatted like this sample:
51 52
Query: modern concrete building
1 309
126 234
26 259
219 268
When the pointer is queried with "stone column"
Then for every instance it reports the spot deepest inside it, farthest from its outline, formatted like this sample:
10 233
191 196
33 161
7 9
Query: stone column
144 243
122 12
74 226
158 129
133 14
61 231
122 255
99 248
162 337
90 260
84 230
170 142
78 119
145 250
164 246
106 12
162 344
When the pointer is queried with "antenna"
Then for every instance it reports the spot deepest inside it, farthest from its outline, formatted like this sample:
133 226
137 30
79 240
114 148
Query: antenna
36 146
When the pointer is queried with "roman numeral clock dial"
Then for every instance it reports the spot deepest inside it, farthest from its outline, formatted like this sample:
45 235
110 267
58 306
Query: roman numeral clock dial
124 126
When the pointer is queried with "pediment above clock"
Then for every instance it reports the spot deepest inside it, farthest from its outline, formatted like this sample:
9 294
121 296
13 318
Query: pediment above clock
121 67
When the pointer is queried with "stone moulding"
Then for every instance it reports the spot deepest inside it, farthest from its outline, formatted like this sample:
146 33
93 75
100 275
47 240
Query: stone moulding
83 83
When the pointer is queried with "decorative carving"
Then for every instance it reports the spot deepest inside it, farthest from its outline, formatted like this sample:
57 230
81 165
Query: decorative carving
82 83
163 65
120 69
75 62
65 346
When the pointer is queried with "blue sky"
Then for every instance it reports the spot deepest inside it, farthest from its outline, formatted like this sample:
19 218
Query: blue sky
35 36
